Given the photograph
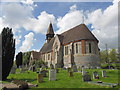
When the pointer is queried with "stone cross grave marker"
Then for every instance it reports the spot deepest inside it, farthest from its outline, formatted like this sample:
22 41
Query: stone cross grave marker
104 73
75 68
95 75
52 75
86 77
40 78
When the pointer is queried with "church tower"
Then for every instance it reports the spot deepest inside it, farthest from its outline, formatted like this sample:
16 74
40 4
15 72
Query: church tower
50 33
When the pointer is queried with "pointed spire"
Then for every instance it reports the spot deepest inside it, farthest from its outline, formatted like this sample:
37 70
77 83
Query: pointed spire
50 29
50 33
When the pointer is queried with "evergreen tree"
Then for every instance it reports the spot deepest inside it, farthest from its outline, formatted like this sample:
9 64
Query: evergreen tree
8 51
19 59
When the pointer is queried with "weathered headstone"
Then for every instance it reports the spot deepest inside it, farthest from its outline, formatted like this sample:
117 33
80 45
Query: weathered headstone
22 70
98 67
69 69
40 78
44 72
52 74
95 75
64 68
74 68
104 73
83 71
86 77
70 74
13 70
51 66
56 67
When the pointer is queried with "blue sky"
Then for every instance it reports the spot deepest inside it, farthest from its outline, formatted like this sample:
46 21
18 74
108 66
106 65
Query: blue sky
60 9
32 20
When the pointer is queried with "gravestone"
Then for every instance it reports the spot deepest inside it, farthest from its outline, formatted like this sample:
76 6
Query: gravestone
40 78
98 67
95 75
44 72
74 67
69 69
70 74
86 77
13 70
22 70
52 75
104 73
64 68
51 66
83 71
56 67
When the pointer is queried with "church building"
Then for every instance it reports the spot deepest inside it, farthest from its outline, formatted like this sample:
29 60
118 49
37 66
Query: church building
76 46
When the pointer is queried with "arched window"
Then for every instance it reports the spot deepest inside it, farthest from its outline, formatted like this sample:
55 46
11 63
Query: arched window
66 50
48 56
90 48
76 48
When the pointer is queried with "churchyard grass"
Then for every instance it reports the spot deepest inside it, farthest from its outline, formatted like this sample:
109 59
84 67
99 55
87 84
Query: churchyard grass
64 81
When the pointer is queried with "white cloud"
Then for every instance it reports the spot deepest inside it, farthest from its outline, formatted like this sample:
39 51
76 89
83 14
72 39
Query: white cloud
71 19
19 16
27 43
105 24
18 39
28 2
14 15
39 24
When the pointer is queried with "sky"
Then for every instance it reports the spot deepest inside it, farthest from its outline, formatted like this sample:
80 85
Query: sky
30 20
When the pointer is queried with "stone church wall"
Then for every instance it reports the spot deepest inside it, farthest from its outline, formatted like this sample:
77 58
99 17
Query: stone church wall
88 59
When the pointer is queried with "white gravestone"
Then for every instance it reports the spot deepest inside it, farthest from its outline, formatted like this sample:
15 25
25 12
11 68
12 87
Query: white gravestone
104 73
52 75
83 71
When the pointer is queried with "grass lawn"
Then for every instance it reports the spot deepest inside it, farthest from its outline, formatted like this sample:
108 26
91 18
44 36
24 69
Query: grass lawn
64 81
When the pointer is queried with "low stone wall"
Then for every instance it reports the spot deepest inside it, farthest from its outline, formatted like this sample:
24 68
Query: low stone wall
91 61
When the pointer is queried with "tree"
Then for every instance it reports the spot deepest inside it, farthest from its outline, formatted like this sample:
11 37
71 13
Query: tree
26 58
103 56
19 59
113 56
8 51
